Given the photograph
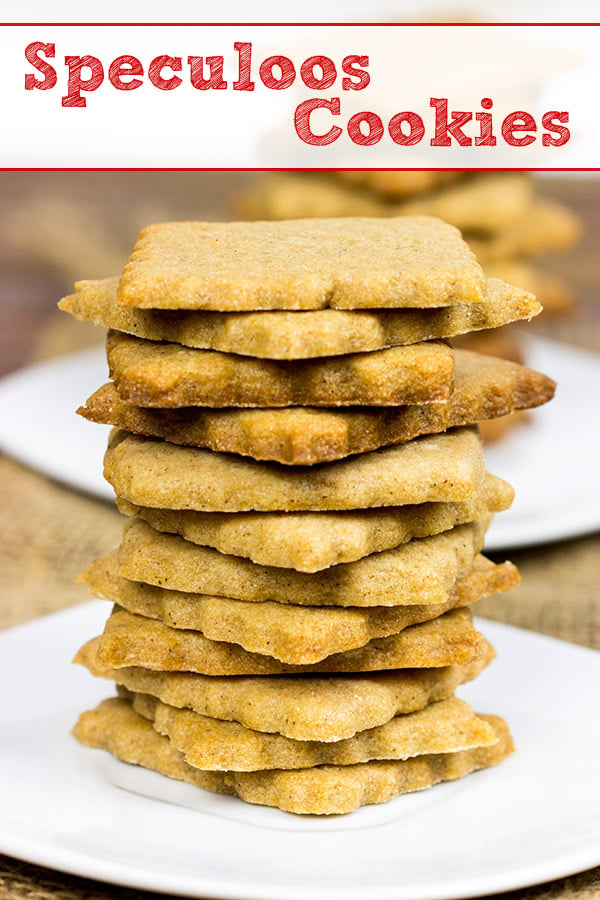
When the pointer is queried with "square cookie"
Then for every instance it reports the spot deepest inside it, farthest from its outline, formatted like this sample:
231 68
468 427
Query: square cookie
302 264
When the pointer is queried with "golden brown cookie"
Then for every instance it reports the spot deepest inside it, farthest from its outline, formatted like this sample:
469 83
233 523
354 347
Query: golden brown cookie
441 468
421 571
132 640
484 388
398 182
151 373
297 195
293 634
309 708
300 334
542 227
553 292
480 203
420 262
310 542
484 203
210 744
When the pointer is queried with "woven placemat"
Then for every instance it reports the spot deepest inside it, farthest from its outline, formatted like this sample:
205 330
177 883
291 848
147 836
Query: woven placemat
50 533
558 594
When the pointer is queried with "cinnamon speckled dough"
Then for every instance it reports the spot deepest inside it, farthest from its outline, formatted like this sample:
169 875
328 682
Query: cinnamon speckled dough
302 264
210 744
290 633
132 640
419 572
441 468
154 374
321 790
484 388
310 542
309 708
303 334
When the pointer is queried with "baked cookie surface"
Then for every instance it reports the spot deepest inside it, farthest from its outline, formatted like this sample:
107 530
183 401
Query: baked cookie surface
300 334
444 467
301 264
310 708
484 388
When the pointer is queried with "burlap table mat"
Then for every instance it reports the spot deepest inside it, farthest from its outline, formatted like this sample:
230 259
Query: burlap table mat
51 532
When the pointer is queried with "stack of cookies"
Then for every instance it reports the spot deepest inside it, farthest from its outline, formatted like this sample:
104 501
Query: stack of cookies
296 453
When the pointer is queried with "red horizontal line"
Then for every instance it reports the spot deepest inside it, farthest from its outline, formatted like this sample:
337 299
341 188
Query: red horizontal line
300 24
287 169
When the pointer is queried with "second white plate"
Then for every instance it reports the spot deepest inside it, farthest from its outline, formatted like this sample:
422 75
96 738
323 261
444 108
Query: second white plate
551 461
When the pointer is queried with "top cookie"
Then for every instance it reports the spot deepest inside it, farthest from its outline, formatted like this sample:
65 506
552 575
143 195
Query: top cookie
303 264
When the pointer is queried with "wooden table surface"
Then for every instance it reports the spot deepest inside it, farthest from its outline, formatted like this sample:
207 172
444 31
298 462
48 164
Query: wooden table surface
57 227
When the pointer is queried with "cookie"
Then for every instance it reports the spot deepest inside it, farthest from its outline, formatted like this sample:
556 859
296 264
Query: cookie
543 227
295 195
150 373
310 708
302 334
310 542
420 262
498 214
504 344
132 640
209 744
479 203
290 633
484 388
321 790
441 468
399 182
421 572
